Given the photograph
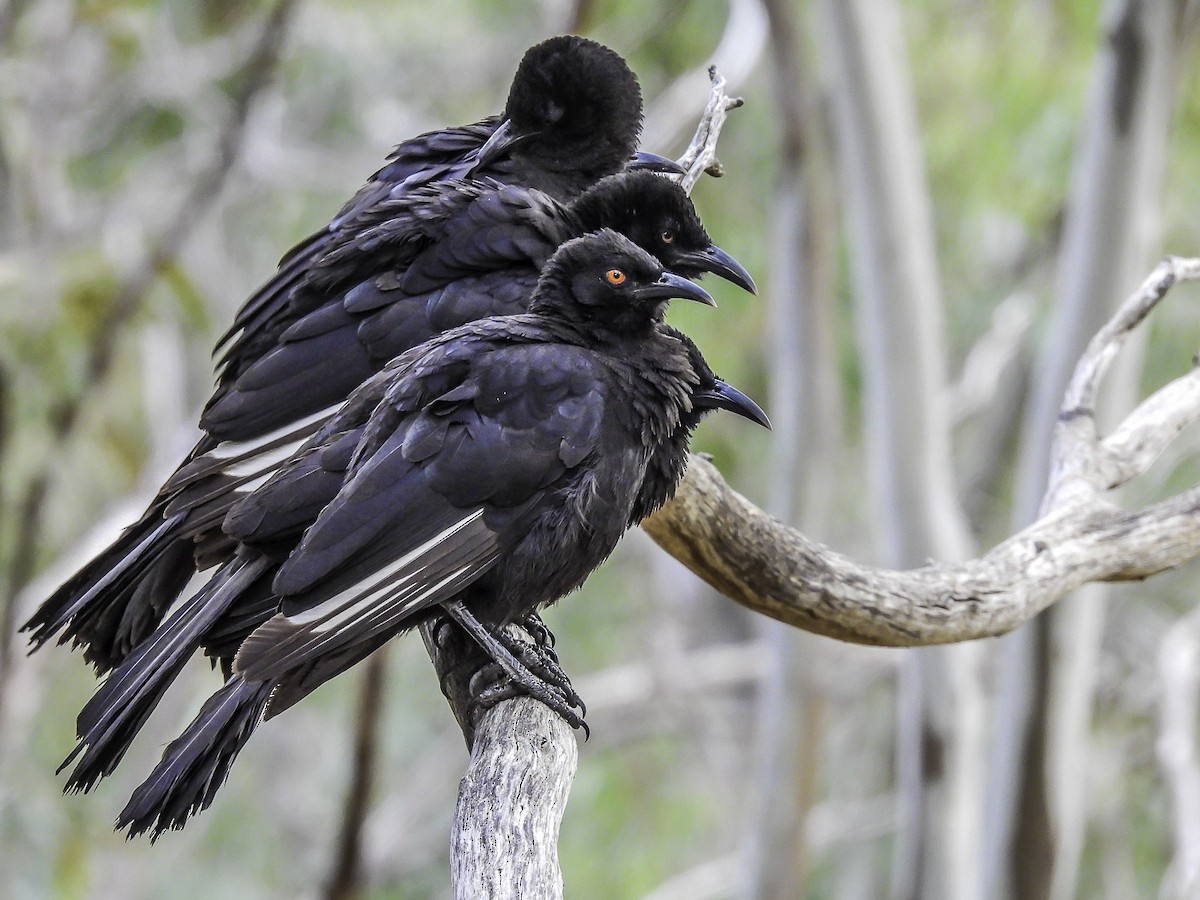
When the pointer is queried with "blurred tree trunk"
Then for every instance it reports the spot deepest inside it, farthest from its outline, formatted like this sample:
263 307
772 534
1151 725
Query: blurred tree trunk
808 444
1037 802
898 312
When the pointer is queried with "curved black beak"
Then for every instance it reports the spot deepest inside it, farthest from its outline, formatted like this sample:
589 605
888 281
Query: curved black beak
726 396
655 163
713 259
499 145
669 286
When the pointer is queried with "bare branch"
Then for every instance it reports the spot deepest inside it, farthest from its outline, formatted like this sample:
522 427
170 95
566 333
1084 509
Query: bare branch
1147 431
1080 538
701 154
1078 468
511 802
772 569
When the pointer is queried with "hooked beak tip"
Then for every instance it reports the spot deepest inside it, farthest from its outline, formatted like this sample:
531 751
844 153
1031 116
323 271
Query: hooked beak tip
723 265
671 286
725 396
654 163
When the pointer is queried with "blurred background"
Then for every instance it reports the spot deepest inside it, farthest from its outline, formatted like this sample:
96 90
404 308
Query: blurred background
941 201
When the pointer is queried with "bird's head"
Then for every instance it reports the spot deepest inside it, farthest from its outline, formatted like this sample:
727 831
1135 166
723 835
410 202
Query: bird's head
657 215
605 281
574 106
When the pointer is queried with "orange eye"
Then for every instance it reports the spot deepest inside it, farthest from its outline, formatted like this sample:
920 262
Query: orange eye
614 276
668 237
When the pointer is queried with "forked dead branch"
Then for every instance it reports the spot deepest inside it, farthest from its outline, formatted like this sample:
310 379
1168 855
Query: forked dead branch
1081 535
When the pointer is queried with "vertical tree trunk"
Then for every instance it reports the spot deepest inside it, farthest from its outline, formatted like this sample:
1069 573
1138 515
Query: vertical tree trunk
505 839
1036 796
806 449
898 311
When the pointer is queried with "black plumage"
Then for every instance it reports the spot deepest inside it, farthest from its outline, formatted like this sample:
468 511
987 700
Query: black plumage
486 472
572 116
441 256
436 259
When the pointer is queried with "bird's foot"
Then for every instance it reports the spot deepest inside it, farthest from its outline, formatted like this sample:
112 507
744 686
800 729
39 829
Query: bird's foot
492 684
519 669
533 626
540 658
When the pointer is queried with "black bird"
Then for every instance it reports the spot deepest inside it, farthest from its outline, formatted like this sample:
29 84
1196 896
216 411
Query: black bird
573 115
484 474
441 256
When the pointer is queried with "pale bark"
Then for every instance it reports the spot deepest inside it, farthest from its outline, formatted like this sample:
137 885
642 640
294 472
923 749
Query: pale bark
898 315
1110 234
1081 536
510 805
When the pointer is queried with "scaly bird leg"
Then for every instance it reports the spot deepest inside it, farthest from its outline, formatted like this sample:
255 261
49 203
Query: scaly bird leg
534 671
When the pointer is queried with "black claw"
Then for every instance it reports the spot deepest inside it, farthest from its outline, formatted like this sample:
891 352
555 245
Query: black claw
533 625
534 670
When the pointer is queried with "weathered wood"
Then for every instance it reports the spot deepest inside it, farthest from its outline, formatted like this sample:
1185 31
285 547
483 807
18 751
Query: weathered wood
701 155
1081 537
772 569
511 803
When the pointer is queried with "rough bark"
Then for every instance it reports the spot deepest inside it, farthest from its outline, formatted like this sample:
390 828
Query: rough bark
510 804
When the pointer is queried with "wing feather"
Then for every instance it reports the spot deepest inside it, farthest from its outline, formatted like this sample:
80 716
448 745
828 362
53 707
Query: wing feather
426 575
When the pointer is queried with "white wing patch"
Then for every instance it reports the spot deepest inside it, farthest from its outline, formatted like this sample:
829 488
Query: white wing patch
419 578
237 449
267 461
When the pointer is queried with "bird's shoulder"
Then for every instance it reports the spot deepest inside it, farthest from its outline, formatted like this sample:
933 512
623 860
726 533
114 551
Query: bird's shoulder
441 146
431 156
435 234
434 156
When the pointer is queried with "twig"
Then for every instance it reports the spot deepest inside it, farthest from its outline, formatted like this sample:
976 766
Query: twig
1080 465
701 154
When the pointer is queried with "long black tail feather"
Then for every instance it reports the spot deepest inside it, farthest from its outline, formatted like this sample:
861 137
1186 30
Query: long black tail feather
114 602
117 711
196 764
